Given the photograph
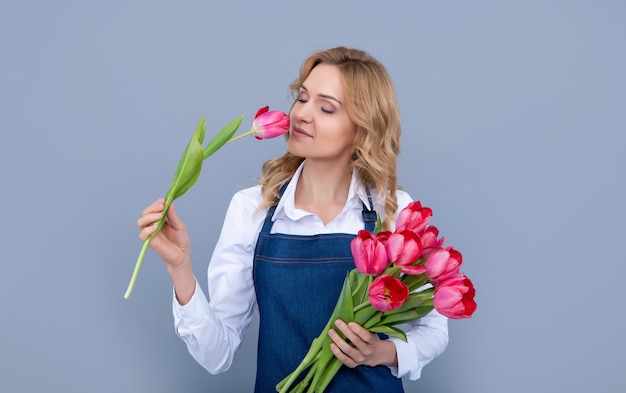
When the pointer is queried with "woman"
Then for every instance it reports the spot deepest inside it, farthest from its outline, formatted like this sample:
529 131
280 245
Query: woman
285 242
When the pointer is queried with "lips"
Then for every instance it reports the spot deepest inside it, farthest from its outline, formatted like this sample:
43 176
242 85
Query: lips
297 131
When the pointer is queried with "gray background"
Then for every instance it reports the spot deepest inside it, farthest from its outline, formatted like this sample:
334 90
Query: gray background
514 121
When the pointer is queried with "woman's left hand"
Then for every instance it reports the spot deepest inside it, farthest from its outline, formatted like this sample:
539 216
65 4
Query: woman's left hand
362 348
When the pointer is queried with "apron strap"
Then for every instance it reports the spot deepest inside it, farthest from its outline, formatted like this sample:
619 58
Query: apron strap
369 215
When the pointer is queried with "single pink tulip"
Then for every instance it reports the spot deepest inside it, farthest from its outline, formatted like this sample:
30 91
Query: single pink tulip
403 248
269 124
370 256
441 263
429 237
387 293
413 217
396 248
454 297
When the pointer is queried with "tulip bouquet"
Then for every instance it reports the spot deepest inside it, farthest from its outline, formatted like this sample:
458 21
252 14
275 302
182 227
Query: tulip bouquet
266 124
400 276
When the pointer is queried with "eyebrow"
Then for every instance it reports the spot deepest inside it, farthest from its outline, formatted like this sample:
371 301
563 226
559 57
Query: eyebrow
326 96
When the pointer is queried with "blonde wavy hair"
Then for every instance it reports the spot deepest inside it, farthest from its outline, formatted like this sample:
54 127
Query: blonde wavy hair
370 100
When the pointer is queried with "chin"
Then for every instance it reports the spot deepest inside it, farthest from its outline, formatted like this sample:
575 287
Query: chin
295 150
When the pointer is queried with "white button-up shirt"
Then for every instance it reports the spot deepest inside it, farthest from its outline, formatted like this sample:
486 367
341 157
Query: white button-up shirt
213 330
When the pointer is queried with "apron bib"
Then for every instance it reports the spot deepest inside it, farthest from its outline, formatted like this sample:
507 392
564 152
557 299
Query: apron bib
297 281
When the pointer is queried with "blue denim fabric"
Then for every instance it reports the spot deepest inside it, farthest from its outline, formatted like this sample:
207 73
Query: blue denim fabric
297 281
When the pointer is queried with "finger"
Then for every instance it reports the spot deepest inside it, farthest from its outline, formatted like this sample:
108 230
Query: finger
147 231
344 346
173 219
148 219
156 206
350 335
342 357
362 333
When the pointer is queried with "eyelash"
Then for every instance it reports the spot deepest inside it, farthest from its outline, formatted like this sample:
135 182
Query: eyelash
300 100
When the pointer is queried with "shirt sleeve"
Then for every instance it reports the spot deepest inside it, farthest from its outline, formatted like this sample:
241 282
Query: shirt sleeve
214 329
427 337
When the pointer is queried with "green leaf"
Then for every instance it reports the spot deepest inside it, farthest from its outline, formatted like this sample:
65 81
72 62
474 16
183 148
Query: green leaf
194 142
344 310
379 225
189 170
400 318
360 286
415 281
390 331
394 271
367 317
196 138
222 137
423 310
200 130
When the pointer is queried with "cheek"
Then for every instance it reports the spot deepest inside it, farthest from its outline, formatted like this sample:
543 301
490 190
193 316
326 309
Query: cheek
350 131
291 114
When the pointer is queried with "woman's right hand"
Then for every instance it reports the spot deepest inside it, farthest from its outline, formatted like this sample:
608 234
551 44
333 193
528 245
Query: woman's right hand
172 242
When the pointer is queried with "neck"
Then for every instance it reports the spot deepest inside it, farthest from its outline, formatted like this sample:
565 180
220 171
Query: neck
322 184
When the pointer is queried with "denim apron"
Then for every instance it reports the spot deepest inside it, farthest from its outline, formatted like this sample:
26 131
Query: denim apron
297 281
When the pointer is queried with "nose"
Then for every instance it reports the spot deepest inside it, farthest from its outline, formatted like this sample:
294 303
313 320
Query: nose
302 112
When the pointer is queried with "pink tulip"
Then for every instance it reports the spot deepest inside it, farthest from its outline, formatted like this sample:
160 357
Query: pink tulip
414 217
442 263
403 248
429 237
370 256
454 297
387 293
269 124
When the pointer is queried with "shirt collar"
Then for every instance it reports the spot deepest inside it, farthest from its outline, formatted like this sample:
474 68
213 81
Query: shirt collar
356 194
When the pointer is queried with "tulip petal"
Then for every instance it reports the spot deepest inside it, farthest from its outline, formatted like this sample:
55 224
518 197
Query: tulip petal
413 217
369 253
436 263
270 124
394 245
403 248
261 111
454 297
387 293
413 270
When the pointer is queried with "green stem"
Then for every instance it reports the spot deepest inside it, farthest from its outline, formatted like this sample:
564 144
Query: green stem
361 306
328 376
250 132
322 364
370 322
309 359
142 253
302 386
